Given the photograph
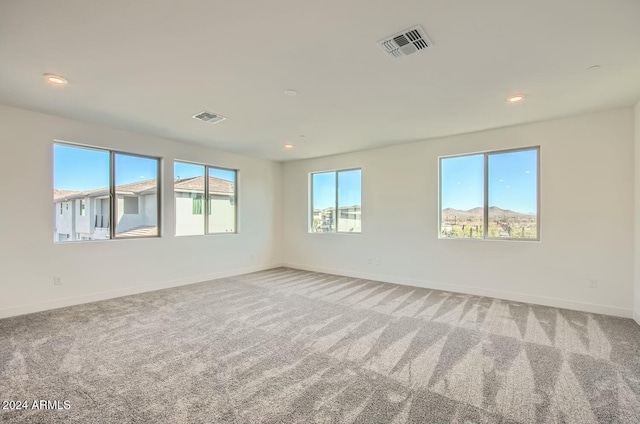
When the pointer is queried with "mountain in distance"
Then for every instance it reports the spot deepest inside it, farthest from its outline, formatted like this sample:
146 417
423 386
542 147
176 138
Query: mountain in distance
477 212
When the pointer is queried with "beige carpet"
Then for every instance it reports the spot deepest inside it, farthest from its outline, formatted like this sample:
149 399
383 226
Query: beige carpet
288 346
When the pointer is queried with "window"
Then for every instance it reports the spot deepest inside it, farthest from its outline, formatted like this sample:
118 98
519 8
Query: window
491 195
204 205
118 193
131 206
336 201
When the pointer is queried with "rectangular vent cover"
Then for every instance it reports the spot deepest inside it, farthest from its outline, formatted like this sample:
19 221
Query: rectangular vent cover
404 43
209 117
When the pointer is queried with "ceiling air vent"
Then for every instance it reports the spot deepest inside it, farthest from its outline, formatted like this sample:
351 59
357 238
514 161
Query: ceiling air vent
209 117
404 43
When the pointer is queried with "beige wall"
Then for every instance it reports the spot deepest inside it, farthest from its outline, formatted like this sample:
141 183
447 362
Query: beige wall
587 204
101 269
586 218
637 214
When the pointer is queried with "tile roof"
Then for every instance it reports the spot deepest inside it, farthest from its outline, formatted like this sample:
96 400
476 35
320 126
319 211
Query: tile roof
216 185
61 195
137 187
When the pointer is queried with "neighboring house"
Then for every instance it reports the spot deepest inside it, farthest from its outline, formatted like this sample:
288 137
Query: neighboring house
84 215
349 219
189 204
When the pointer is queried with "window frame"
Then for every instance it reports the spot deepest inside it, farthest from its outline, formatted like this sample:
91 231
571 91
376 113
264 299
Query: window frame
337 208
485 230
206 211
112 190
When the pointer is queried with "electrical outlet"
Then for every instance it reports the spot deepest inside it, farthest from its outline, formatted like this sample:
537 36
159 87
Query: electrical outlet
370 261
378 261
592 283
57 280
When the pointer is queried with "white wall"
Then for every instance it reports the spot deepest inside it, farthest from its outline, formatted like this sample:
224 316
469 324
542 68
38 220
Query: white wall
587 192
64 220
222 214
637 214
186 222
95 270
83 222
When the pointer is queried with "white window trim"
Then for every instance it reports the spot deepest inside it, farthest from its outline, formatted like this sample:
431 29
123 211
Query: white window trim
206 202
486 155
310 215
112 192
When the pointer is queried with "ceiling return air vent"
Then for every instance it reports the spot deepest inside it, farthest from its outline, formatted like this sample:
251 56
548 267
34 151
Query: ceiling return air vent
212 118
405 43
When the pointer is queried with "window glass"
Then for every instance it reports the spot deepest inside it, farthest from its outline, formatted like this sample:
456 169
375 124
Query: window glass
510 181
189 198
81 179
136 194
349 201
513 194
462 197
324 202
336 201
222 201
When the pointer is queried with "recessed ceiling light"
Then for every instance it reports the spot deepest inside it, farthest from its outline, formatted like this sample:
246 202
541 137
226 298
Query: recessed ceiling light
291 92
288 146
515 98
55 79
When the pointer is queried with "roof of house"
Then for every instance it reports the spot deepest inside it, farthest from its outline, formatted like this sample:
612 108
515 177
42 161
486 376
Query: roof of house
216 185
61 195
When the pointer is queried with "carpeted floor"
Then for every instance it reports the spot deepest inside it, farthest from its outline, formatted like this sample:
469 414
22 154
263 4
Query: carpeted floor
289 346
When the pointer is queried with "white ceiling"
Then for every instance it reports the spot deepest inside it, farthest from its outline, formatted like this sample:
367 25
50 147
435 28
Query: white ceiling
149 65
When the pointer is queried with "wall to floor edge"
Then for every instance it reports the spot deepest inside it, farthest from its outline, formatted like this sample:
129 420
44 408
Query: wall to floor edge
587 219
101 269
476 291
556 267
94 297
637 212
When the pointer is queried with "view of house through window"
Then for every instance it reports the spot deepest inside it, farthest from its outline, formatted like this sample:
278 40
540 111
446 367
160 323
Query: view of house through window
84 184
196 212
336 201
490 195
137 195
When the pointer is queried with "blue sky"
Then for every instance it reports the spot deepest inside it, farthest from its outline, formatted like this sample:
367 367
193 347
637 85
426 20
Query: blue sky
512 181
349 189
512 178
82 169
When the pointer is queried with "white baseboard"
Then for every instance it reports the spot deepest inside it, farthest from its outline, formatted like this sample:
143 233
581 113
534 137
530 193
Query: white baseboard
110 294
636 317
499 294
